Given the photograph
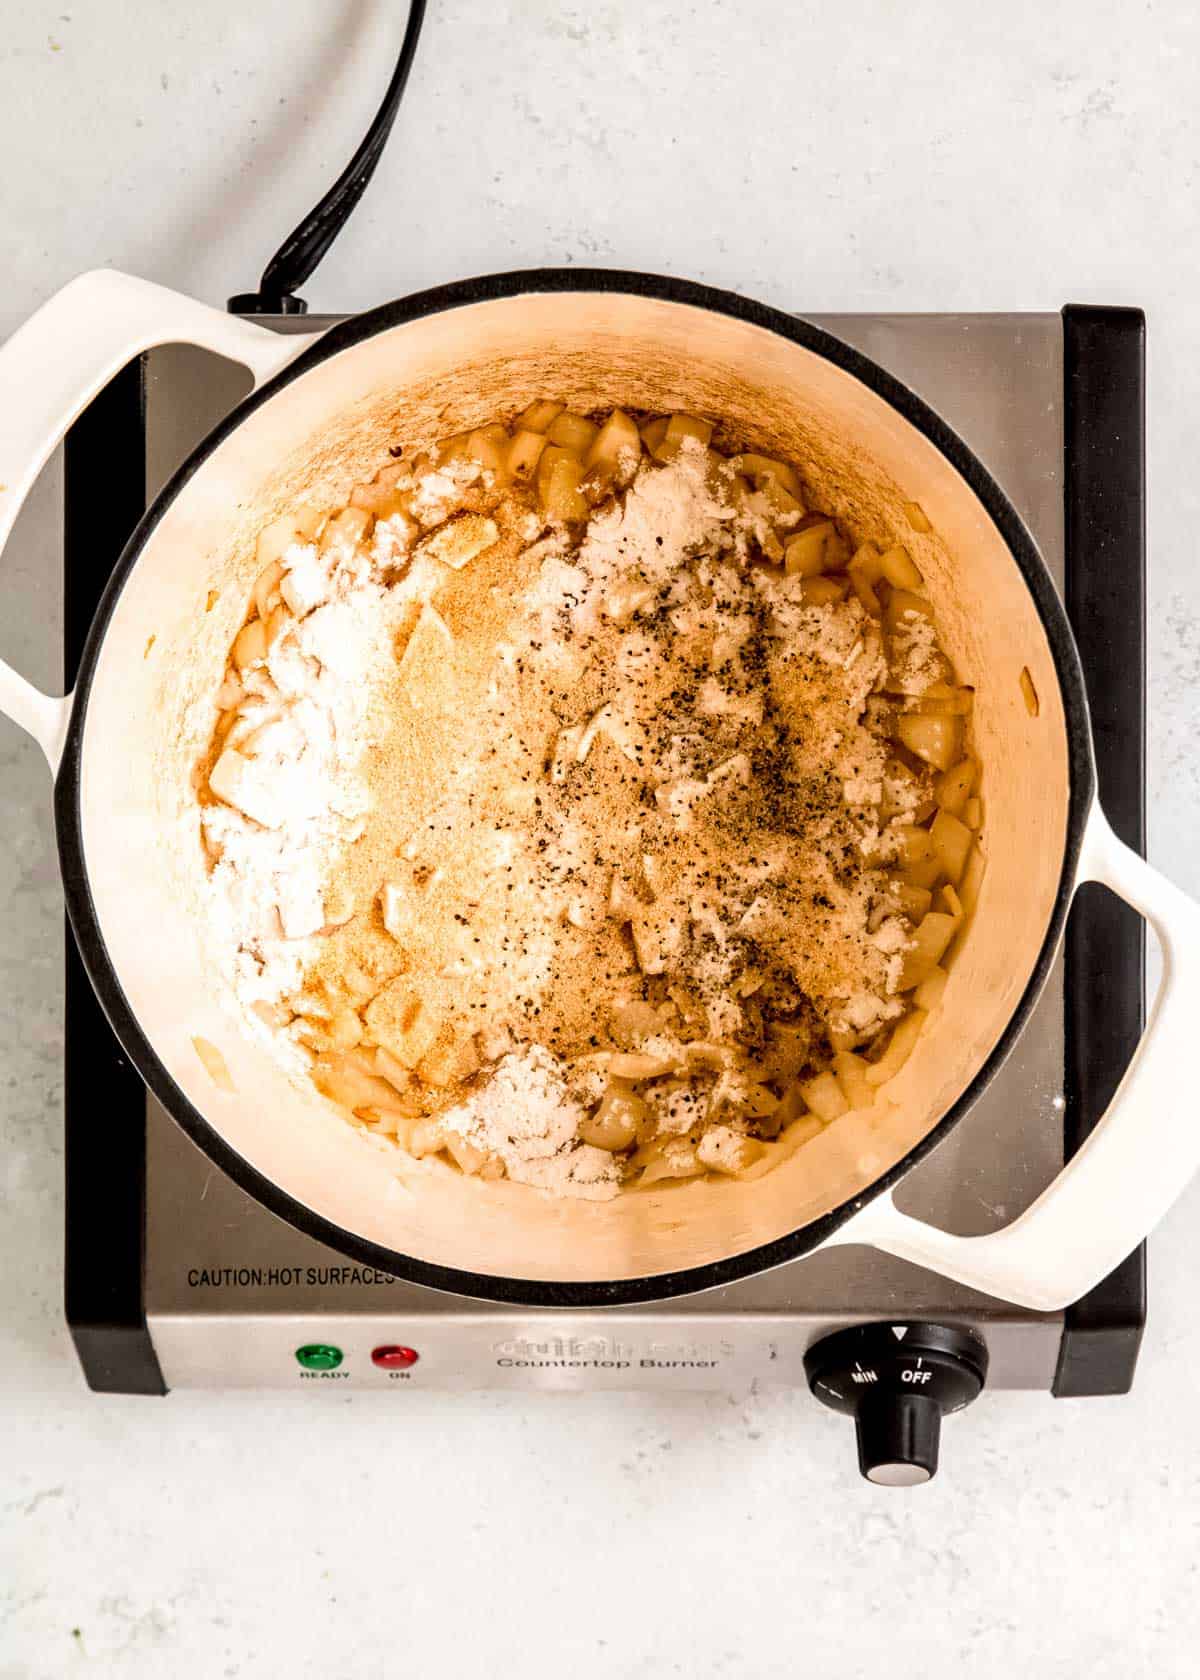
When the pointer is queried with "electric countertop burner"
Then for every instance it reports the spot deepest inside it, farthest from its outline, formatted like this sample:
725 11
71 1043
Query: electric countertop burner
176 1279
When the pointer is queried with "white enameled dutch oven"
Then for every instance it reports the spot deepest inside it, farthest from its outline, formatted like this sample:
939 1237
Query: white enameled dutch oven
323 412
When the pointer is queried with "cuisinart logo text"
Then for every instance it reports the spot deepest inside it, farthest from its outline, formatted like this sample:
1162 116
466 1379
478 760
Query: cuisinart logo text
606 1353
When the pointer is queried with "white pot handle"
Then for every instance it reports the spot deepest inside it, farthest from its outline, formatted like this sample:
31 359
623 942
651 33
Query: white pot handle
52 367
1131 1168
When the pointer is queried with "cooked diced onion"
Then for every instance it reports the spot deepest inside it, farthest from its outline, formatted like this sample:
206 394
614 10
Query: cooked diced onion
617 447
914 843
922 874
214 1064
573 432
897 567
913 902
900 1048
812 550
250 645
764 469
266 588
936 740
952 841
538 416
559 474
953 786
667 1158
524 453
725 1151
950 902
489 445
1029 693
851 1072
825 1097
681 426
931 938
653 434
824 591
614 1124
640 1064
428 1137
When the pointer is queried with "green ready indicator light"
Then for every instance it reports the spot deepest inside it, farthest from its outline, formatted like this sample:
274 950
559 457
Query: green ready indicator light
319 1356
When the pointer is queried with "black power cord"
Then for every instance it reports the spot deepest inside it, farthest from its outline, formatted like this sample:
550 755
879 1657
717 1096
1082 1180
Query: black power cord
309 240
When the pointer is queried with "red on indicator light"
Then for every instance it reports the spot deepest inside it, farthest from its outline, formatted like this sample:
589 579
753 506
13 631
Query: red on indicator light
393 1358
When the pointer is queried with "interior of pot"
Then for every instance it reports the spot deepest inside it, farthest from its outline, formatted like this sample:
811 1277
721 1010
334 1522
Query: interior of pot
151 712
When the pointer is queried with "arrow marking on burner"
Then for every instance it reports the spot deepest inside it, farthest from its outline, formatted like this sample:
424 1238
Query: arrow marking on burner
899 1331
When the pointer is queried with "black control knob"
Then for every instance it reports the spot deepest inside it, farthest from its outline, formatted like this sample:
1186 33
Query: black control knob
897 1381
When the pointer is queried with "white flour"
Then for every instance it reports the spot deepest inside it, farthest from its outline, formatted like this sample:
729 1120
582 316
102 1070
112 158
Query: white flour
526 1115
288 772
667 514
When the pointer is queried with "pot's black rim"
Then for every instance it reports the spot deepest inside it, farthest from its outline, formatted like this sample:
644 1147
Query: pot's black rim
533 1292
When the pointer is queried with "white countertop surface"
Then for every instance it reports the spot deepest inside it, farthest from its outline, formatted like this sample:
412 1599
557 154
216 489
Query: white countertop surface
861 156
